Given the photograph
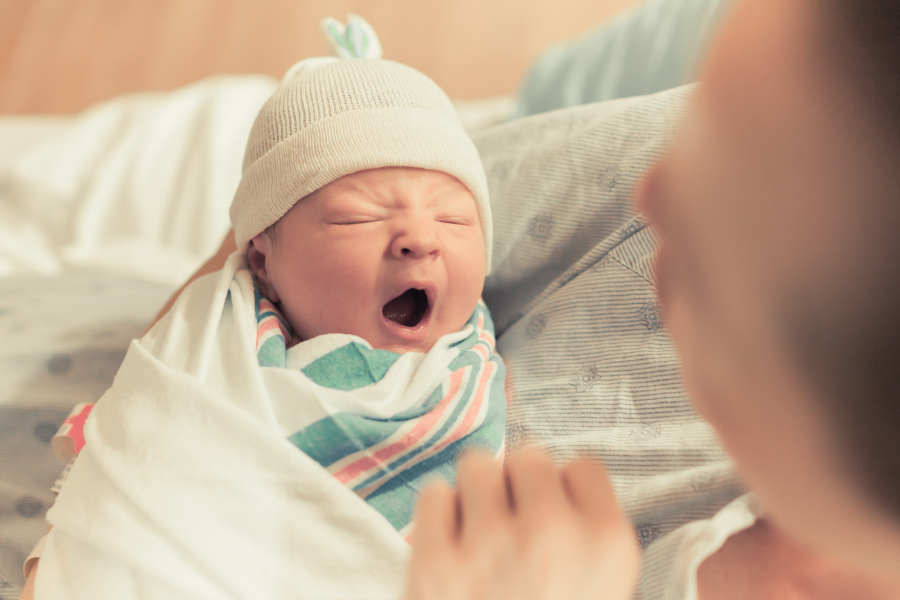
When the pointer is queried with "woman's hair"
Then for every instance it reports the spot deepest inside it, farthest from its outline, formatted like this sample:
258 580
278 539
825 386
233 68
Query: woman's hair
850 351
864 38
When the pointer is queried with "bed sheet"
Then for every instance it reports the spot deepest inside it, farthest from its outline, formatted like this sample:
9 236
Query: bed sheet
63 338
137 186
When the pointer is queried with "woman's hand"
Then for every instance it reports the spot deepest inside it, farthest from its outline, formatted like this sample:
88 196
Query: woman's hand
524 530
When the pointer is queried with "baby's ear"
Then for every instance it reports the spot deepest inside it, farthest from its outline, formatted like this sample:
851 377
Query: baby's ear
259 247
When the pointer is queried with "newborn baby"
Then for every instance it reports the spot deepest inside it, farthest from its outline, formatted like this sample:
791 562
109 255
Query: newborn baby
363 209
364 212
343 353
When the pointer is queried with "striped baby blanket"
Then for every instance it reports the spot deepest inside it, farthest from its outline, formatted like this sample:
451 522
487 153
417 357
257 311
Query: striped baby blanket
385 460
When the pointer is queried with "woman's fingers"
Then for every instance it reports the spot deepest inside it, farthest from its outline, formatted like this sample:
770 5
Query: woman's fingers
535 486
435 525
562 536
434 559
483 503
613 549
590 491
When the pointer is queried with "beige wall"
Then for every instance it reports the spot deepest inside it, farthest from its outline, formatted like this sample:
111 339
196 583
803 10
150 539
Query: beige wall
63 55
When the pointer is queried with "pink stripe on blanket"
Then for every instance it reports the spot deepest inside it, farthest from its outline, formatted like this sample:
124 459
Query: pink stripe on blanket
267 326
69 439
77 420
485 353
463 429
353 470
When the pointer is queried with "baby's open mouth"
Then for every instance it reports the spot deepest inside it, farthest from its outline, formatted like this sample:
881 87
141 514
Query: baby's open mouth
408 308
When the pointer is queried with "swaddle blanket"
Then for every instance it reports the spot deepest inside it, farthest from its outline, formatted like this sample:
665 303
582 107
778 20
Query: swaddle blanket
386 460
191 485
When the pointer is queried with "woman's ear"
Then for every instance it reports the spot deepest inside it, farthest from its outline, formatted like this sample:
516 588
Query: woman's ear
260 246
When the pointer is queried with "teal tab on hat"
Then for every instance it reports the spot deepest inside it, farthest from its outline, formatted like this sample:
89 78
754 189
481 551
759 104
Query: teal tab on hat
356 39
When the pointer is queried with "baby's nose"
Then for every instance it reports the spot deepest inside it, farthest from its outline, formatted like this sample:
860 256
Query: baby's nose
417 240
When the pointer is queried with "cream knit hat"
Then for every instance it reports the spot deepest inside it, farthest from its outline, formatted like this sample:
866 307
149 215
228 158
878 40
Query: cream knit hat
331 117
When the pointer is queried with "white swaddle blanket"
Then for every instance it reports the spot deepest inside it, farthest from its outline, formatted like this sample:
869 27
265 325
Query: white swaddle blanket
188 487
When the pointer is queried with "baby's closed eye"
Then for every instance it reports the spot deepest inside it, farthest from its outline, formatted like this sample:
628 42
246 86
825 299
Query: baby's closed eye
352 218
454 219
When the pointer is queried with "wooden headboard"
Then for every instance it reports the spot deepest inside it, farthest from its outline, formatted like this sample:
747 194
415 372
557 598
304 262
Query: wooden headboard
60 56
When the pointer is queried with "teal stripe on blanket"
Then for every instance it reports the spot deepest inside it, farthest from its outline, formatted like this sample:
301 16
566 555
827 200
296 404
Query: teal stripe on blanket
350 367
272 353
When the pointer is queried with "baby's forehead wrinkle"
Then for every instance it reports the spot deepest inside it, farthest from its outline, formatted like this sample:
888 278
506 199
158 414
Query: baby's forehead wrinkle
392 195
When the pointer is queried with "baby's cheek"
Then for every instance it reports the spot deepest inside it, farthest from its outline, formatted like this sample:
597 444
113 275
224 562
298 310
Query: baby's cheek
467 293
471 277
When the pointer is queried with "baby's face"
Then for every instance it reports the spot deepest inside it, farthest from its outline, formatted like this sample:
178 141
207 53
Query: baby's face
394 255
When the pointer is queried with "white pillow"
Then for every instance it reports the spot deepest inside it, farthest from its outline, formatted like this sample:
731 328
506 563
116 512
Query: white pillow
139 185
649 47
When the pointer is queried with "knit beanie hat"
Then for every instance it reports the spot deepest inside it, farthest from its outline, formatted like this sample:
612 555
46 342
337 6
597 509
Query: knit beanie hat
331 117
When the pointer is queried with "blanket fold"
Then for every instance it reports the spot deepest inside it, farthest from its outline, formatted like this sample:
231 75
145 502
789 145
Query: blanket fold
192 482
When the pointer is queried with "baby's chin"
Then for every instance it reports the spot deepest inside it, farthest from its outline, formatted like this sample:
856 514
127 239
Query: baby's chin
404 346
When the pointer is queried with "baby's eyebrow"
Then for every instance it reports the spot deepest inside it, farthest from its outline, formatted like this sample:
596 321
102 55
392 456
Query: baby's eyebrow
354 194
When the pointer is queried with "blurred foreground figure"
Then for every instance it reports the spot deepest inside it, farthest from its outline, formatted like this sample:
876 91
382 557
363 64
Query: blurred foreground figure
779 278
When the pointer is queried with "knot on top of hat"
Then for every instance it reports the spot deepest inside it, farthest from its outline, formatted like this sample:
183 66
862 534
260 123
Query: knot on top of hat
356 39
